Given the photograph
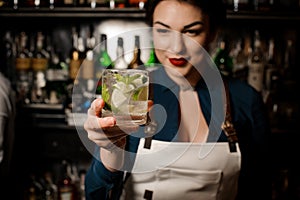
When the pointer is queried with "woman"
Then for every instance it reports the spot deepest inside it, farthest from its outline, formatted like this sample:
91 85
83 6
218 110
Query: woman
191 95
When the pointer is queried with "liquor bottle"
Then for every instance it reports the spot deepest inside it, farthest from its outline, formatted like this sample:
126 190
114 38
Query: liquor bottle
16 4
23 69
81 48
223 60
50 189
152 60
102 61
57 78
240 57
256 64
33 189
66 187
98 3
137 3
136 62
8 54
118 4
87 69
272 86
39 66
239 5
87 85
120 62
263 5
289 63
272 74
75 61
71 3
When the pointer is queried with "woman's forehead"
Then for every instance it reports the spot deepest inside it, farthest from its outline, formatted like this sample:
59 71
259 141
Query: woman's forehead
172 11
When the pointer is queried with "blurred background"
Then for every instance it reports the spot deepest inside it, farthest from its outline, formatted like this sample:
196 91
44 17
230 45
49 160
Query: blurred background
43 43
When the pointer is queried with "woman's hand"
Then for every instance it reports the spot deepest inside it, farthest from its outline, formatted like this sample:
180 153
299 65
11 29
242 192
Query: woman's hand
111 138
103 131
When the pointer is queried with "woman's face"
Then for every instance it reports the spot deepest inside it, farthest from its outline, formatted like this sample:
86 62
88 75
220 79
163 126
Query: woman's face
179 29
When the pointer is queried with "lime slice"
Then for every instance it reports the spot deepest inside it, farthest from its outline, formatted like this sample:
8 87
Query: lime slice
141 94
118 98
120 85
138 82
124 87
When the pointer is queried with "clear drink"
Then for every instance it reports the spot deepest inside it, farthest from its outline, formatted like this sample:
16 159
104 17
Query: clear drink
125 92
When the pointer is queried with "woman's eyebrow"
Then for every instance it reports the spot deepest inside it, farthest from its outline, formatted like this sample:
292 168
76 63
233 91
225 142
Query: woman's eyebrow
185 27
193 24
165 25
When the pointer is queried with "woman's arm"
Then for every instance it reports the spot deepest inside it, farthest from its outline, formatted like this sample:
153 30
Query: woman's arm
103 174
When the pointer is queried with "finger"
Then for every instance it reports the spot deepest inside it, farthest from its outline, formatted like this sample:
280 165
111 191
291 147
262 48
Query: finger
107 122
97 106
150 104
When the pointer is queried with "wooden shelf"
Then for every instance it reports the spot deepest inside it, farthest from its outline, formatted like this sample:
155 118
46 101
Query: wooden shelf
264 15
78 12
101 12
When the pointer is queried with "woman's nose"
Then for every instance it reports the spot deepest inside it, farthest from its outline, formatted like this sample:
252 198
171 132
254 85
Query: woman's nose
177 44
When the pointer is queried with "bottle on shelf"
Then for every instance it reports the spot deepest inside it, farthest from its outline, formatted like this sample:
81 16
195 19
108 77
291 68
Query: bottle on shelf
137 3
256 64
8 55
57 78
102 61
136 62
240 5
75 57
240 57
65 186
98 3
272 74
117 4
50 188
87 69
222 58
85 90
33 189
272 85
152 61
81 48
71 3
263 5
289 62
120 62
23 69
39 66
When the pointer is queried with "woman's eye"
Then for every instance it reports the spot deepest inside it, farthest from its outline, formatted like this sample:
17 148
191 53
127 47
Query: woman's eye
192 32
162 30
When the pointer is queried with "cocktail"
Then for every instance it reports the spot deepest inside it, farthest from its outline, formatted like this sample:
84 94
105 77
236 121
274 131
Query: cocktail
125 93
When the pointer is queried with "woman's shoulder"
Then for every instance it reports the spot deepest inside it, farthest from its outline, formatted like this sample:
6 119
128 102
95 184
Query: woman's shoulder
241 91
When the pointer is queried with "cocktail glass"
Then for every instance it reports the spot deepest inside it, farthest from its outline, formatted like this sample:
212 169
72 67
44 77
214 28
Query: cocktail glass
125 93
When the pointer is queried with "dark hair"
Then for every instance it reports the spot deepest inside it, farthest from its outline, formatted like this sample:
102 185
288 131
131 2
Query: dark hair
215 9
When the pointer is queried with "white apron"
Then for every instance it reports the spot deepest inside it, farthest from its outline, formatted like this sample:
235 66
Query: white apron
183 171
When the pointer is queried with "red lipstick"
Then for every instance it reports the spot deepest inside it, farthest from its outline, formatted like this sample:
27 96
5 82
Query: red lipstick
178 61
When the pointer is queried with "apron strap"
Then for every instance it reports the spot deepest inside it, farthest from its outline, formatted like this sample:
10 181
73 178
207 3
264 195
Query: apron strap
150 126
227 126
148 195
